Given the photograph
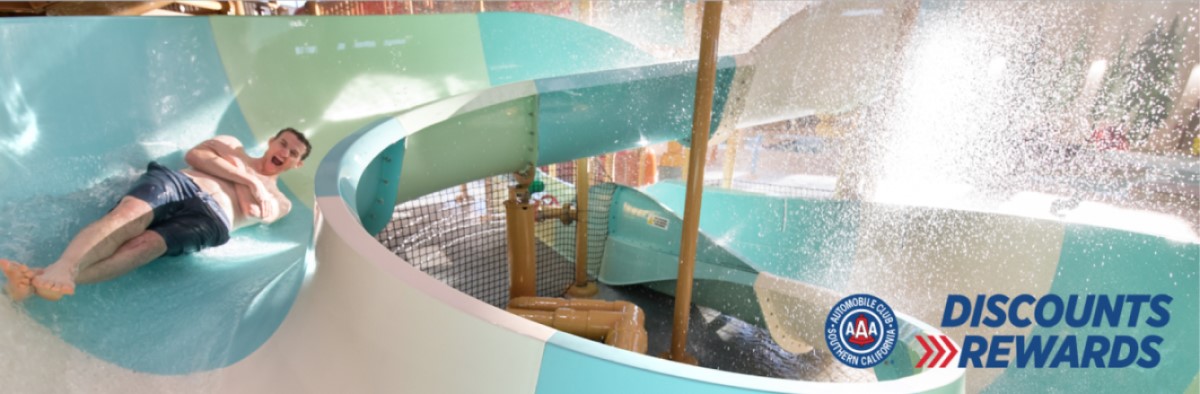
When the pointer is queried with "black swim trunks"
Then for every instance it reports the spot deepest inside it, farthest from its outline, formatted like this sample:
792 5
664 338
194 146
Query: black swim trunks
186 217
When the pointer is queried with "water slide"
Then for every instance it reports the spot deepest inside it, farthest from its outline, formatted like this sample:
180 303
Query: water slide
396 107
315 304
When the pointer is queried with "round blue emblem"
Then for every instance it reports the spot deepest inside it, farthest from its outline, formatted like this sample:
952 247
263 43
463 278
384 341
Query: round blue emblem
861 331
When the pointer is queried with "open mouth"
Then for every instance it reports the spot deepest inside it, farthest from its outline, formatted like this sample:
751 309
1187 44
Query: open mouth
276 161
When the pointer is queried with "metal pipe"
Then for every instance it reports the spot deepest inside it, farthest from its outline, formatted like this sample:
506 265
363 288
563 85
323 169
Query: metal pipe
610 167
641 167
620 324
582 288
490 198
701 120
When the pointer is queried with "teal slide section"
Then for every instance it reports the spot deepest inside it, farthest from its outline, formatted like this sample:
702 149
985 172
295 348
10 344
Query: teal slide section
741 234
620 109
567 357
794 238
1115 262
87 103
643 245
524 47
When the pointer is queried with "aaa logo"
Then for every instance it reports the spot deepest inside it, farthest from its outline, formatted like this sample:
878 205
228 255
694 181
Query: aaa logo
861 331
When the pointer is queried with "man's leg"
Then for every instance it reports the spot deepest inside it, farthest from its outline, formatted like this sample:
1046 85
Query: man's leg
97 241
19 278
136 252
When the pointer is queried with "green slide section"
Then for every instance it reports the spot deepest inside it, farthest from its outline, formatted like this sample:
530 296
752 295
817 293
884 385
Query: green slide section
329 76
497 139
794 238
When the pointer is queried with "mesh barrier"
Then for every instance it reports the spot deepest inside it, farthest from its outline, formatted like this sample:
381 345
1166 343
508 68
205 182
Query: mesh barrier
458 235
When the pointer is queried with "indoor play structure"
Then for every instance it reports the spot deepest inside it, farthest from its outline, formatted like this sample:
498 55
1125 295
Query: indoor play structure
403 106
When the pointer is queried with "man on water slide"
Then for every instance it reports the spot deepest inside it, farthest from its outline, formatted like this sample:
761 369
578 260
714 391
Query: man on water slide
171 212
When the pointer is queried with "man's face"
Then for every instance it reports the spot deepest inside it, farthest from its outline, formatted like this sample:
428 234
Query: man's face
283 153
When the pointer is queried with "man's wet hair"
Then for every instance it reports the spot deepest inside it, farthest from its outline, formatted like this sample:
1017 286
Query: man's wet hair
299 136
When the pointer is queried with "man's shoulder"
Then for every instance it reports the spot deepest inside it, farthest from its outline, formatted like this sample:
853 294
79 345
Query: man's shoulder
227 140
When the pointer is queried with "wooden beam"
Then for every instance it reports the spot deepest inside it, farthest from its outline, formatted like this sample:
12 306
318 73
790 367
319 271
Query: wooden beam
104 7
23 7
161 12
208 5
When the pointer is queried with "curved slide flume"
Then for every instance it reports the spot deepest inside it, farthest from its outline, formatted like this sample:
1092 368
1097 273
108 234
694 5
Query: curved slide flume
89 101
528 119
113 93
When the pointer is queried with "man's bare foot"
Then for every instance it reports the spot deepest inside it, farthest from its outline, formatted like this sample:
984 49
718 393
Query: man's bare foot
54 282
19 277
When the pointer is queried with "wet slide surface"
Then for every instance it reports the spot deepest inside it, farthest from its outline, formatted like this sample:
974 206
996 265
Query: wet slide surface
109 95
80 128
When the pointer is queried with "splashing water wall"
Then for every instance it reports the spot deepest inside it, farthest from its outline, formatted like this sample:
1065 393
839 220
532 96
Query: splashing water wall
988 127
996 104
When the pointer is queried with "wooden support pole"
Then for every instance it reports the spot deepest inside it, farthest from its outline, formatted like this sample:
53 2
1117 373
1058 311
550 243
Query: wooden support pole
582 287
701 120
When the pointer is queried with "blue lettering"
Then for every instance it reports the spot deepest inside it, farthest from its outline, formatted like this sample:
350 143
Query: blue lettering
1157 305
1085 316
1152 357
952 300
1035 351
1121 342
1094 349
972 350
1137 300
1108 309
1067 353
995 306
1013 307
1039 312
978 310
997 350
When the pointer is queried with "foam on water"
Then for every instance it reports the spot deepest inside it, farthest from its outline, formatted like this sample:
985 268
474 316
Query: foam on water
35 360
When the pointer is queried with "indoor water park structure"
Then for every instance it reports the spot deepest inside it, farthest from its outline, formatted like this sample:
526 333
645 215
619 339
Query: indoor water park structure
510 202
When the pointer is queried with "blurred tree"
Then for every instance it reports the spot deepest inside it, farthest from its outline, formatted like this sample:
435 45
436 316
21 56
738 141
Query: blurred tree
1153 78
1137 91
1071 75
1114 90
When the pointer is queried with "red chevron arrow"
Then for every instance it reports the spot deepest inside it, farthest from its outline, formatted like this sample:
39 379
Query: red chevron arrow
936 356
936 352
928 351
953 351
